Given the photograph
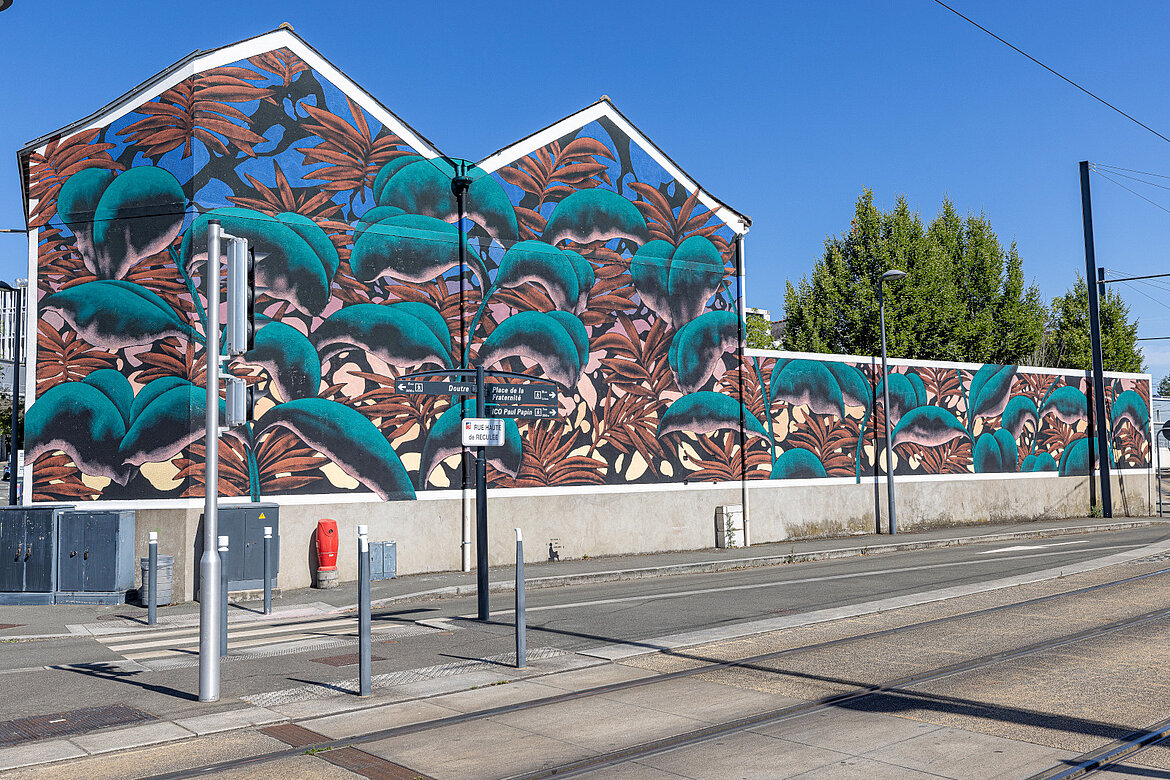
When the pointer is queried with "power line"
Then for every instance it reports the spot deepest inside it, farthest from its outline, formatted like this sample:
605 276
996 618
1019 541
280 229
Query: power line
1143 292
1103 175
1061 76
1131 170
1134 178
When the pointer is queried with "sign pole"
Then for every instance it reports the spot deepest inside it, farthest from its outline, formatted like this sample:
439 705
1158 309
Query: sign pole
1103 430
481 529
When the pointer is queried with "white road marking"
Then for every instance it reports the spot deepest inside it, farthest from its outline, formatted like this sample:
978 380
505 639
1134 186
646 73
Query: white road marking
1020 547
781 583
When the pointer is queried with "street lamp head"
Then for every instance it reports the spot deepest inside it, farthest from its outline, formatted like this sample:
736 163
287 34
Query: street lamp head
893 275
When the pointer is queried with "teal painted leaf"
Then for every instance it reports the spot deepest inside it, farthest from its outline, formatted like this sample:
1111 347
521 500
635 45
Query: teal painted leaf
77 200
288 358
116 387
445 439
855 389
428 316
995 453
536 261
586 277
1074 461
808 382
409 248
424 187
348 438
650 272
1129 405
1041 461
990 389
707 412
697 350
138 215
1017 413
1068 403
696 269
288 265
798 464
117 314
594 215
396 333
904 395
556 341
166 424
929 426
81 421
373 217
388 170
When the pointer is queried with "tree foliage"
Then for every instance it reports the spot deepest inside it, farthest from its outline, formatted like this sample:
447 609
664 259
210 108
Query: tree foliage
759 332
1066 342
964 298
1163 386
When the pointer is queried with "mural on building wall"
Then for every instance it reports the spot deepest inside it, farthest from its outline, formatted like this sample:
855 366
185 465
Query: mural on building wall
587 264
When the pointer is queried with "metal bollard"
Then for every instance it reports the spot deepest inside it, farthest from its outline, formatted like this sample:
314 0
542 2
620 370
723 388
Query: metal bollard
223 595
152 586
267 570
364 609
521 622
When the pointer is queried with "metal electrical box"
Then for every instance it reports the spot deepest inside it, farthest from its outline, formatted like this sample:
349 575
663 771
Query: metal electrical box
95 556
383 560
28 538
244 524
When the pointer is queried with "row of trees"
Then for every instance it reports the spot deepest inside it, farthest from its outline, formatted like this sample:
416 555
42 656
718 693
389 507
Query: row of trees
965 298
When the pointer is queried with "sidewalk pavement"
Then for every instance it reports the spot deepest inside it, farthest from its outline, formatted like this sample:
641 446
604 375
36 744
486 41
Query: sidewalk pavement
398 698
73 619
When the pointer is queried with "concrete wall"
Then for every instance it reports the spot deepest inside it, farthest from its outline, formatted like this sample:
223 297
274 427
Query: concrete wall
598 523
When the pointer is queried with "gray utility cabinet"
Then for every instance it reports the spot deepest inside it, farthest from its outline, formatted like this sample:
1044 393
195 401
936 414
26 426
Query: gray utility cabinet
243 525
95 556
27 544
383 560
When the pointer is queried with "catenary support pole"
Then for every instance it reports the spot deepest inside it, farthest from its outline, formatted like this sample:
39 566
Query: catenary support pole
363 610
893 519
481 517
209 563
223 595
152 572
1103 454
267 570
521 619
1158 466
13 474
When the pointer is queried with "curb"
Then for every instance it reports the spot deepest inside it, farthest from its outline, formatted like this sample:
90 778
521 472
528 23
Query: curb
705 567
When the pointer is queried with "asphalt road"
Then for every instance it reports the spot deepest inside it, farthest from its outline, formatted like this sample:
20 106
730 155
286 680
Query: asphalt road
570 618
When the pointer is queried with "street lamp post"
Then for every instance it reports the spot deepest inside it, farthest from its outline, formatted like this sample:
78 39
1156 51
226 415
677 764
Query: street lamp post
892 275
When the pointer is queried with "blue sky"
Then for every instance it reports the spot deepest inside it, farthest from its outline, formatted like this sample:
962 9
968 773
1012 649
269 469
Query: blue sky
783 110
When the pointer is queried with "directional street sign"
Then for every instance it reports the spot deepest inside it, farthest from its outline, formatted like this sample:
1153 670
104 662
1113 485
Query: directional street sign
482 432
430 387
533 395
522 412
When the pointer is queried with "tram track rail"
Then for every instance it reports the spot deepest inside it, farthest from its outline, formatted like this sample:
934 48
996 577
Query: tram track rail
697 736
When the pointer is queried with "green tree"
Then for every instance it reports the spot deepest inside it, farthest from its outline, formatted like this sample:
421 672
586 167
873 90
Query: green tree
965 297
759 332
1163 386
1067 344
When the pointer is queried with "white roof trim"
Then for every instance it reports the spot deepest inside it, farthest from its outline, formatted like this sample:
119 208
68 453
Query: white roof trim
250 48
594 112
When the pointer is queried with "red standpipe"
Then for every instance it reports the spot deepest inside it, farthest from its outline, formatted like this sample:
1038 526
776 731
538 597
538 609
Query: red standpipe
326 545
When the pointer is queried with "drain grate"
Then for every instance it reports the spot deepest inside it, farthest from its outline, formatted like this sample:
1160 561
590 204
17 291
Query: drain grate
292 734
344 660
13 732
368 765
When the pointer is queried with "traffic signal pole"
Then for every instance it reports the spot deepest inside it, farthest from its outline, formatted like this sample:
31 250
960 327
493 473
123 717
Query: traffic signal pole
209 564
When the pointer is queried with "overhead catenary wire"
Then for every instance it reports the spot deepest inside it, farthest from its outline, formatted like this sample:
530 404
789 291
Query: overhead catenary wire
1059 75
1132 170
1153 203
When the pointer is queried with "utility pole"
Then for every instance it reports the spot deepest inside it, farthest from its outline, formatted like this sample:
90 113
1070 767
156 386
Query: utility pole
1092 282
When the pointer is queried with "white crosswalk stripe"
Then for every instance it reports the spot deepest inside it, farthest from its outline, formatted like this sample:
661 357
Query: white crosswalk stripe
252 634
